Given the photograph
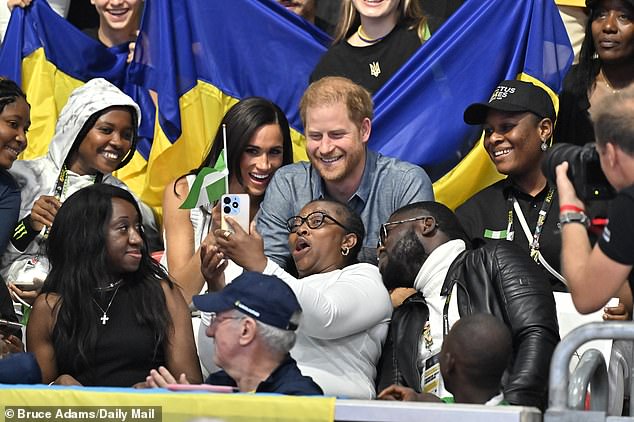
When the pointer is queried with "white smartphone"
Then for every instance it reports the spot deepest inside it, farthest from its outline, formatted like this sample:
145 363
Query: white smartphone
236 206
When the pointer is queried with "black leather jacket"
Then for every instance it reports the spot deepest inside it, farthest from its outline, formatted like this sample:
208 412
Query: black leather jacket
500 279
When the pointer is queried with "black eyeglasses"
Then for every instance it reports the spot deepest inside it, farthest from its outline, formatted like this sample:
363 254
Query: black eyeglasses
314 220
383 230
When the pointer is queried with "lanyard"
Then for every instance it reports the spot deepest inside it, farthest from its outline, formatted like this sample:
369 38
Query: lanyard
541 219
60 188
445 312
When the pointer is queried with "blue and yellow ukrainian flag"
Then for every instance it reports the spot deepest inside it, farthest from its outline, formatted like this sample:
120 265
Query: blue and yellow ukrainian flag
49 57
419 111
201 57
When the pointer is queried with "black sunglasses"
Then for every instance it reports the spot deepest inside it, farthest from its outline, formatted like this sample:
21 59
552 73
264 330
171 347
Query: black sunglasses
314 220
384 226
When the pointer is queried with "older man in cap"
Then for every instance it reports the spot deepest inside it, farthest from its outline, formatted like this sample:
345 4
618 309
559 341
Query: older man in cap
253 323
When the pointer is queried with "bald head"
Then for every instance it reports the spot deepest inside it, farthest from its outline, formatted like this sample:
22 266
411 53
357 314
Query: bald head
478 349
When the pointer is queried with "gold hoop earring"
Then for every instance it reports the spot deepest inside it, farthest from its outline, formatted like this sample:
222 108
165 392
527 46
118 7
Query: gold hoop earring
345 251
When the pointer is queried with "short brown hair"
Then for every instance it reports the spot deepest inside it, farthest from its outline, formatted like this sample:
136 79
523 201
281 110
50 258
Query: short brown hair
335 89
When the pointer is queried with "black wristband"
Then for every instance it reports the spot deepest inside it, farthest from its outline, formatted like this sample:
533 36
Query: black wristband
23 234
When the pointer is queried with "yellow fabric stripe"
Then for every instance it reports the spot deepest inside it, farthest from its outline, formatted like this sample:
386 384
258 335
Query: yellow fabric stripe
202 109
177 407
47 90
576 3
476 171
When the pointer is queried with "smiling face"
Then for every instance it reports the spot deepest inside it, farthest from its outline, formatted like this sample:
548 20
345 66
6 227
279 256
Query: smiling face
378 9
119 15
106 144
261 158
14 123
124 241
319 250
613 31
513 142
335 145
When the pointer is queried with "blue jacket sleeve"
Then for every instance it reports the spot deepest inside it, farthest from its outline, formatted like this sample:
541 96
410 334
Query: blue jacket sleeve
9 209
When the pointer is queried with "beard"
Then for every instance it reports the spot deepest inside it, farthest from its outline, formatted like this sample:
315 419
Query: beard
404 262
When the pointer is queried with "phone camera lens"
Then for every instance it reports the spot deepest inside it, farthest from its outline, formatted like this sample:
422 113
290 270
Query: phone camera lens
227 210
227 200
235 205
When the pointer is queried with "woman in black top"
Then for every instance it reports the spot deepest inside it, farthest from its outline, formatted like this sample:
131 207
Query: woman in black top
108 313
606 66
372 41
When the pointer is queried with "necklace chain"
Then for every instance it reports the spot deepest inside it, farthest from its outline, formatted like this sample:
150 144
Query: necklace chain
365 38
607 83
104 318
109 287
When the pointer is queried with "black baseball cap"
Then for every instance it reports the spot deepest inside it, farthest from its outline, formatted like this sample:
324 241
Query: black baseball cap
264 297
514 96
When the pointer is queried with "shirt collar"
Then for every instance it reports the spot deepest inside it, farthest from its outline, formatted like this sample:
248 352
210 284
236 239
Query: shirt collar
510 187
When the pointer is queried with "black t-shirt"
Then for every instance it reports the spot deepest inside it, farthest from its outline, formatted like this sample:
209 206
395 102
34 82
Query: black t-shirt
369 66
617 240
485 217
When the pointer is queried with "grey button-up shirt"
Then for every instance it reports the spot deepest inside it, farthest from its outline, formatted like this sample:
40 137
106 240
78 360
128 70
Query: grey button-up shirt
387 185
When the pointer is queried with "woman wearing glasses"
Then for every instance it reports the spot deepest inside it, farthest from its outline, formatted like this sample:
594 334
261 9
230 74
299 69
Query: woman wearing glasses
346 308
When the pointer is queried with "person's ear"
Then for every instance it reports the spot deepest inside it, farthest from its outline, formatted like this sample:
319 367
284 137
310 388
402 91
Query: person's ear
545 127
248 330
428 225
349 241
611 154
366 129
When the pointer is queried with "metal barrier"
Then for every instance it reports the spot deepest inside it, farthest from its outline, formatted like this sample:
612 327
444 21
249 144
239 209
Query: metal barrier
559 409
619 374
387 411
590 371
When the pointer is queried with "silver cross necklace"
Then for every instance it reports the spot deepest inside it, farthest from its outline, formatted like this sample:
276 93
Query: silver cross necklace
104 318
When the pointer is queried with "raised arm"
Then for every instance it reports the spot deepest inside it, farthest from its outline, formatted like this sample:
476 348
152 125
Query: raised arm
183 260
593 277
356 301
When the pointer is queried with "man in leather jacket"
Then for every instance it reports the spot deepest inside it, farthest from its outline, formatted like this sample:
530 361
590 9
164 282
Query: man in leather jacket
423 246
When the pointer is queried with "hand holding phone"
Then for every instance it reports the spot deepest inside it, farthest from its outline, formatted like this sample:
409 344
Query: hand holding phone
10 327
237 207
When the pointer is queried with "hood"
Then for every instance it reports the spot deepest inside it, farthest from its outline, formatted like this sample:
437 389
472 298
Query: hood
90 98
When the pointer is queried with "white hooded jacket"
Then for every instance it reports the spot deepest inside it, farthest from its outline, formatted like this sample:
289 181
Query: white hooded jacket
39 176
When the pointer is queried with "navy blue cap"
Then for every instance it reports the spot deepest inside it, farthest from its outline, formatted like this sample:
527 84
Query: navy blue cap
264 297
513 96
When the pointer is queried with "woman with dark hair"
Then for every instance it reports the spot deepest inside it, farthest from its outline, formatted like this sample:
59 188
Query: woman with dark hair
346 308
258 143
14 123
373 40
606 66
108 313
96 134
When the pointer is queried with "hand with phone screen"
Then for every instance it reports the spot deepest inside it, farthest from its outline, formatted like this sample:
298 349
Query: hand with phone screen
246 250
9 331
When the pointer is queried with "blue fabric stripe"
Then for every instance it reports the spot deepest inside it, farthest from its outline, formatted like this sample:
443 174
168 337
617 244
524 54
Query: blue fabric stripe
419 111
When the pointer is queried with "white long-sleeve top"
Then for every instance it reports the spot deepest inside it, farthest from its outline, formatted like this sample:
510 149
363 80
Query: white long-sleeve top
344 324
